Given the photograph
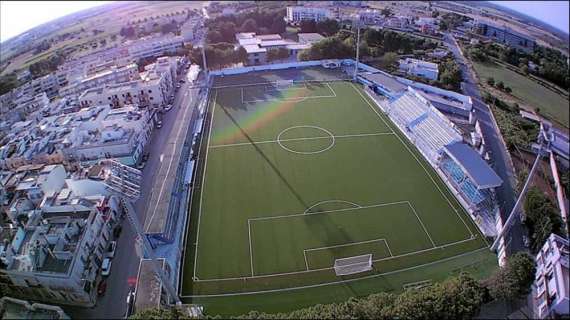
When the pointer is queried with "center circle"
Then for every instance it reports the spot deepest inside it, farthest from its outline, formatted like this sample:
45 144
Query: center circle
329 136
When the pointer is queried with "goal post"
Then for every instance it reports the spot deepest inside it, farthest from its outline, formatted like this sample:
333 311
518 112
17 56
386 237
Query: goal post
282 84
352 265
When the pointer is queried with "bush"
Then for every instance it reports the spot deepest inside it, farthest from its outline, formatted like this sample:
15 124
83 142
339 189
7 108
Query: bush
514 280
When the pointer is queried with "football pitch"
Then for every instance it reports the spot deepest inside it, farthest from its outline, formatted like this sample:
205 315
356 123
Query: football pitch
293 177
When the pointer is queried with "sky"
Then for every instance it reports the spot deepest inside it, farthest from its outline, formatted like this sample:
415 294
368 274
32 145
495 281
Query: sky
16 17
555 13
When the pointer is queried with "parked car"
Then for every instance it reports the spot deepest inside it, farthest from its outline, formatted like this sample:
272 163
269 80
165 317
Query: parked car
178 86
130 302
111 249
168 107
106 267
117 231
159 124
143 161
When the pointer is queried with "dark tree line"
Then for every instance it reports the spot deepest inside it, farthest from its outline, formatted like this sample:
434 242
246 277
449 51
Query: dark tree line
224 28
541 218
459 297
552 64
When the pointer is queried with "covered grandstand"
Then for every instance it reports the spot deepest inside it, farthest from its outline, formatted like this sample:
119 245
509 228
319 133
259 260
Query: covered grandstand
441 143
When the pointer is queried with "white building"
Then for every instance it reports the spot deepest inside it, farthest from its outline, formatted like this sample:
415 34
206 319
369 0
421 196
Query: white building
419 68
257 46
119 134
54 248
154 47
552 283
296 14
309 38
111 75
48 84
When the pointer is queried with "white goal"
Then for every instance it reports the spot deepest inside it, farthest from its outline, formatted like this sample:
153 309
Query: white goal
283 84
351 265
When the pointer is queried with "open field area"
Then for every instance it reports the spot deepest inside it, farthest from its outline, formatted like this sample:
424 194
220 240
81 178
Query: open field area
531 93
295 176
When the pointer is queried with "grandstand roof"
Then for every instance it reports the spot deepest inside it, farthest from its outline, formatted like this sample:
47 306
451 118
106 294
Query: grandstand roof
476 168
387 81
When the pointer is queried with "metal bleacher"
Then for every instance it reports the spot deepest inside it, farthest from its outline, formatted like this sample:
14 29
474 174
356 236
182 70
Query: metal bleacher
423 123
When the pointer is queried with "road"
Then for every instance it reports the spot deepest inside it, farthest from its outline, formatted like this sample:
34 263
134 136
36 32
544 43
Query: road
126 262
500 160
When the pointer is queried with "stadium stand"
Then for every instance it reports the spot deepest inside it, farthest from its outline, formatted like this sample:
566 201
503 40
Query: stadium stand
441 143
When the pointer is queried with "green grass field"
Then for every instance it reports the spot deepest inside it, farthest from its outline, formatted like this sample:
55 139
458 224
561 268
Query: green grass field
550 103
295 178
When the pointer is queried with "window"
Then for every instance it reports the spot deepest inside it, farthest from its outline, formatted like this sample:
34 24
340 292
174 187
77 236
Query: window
149 91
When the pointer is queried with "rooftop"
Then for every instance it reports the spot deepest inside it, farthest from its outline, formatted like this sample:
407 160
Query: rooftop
476 168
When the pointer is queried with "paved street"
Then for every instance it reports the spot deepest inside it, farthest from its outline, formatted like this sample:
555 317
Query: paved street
126 262
499 157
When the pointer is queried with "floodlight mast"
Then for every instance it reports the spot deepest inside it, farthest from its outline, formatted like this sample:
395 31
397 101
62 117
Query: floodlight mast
515 212
357 49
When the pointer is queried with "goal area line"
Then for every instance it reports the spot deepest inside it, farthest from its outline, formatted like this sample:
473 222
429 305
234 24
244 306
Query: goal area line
461 255
340 211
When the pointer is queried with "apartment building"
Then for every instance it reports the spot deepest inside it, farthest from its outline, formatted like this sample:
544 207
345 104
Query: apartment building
113 74
54 240
505 36
11 308
107 133
48 84
552 283
297 13
153 46
419 68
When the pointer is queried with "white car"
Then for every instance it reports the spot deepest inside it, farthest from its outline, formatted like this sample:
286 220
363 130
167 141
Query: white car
112 248
106 267
168 107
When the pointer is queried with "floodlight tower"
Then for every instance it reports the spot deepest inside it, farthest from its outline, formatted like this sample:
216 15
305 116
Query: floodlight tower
357 49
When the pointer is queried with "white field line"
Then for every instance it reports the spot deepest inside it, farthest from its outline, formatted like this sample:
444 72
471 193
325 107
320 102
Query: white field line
203 184
328 85
330 268
344 245
327 211
181 126
297 99
331 201
421 222
413 155
250 249
302 139
188 220
335 282
271 82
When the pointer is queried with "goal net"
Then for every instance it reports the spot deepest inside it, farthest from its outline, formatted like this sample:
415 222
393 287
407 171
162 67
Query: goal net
283 84
351 265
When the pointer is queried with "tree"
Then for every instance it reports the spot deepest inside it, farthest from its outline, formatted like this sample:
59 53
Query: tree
327 27
508 90
249 25
308 26
541 218
241 55
8 82
491 81
168 27
386 12
214 36
389 59
279 25
500 85
514 280
328 48
277 54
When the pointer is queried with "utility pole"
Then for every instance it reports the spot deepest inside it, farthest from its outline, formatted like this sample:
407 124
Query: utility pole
357 49
204 58
147 249
515 211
